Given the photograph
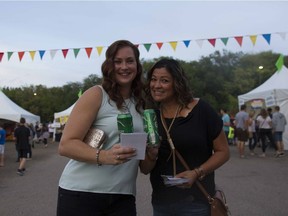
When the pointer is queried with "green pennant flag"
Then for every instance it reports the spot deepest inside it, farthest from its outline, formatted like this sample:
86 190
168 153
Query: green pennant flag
280 62
79 93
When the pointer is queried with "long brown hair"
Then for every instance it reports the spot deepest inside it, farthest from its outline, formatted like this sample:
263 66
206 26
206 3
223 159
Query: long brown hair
109 83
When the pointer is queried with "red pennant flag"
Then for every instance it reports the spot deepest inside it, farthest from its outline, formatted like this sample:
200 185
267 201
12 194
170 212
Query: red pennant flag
159 45
64 51
239 39
88 51
212 41
1 56
21 54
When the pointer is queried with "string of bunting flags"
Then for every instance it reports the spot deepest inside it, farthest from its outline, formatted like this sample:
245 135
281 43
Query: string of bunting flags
147 46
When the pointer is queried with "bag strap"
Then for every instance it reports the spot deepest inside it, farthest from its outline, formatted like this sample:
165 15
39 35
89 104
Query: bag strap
175 152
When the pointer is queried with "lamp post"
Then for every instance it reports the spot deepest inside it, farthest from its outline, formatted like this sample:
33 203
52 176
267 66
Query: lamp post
260 68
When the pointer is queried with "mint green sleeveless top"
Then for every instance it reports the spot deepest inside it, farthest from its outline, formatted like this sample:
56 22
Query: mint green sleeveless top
114 179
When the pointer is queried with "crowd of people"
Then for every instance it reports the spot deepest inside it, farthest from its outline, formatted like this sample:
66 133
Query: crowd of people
194 140
25 137
256 129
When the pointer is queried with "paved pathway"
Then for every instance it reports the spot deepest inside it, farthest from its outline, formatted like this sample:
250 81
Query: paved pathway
254 186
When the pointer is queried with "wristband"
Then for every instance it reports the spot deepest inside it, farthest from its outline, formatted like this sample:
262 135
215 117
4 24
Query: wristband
202 173
97 156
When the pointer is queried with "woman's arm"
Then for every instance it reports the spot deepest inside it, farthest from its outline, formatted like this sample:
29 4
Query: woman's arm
79 122
150 160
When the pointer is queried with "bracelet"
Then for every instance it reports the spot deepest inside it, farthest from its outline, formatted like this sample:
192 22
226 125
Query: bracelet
202 173
97 156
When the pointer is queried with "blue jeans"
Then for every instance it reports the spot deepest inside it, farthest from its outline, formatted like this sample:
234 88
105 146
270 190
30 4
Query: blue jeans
186 207
74 203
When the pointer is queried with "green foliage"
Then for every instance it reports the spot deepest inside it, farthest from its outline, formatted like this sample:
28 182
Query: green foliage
218 78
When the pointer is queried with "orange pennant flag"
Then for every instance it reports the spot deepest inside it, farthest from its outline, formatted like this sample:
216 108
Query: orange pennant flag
99 50
174 44
21 54
212 41
32 54
159 45
239 39
64 51
88 51
253 39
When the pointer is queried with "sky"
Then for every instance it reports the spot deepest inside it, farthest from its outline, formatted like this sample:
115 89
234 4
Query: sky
27 26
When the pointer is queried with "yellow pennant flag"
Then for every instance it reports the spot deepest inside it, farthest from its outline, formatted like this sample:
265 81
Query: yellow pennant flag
174 44
99 50
253 39
32 54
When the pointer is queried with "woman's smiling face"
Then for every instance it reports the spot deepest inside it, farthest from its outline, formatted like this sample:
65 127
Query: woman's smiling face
162 85
125 66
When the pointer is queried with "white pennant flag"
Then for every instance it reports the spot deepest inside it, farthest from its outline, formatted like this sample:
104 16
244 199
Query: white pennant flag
282 35
53 53
200 43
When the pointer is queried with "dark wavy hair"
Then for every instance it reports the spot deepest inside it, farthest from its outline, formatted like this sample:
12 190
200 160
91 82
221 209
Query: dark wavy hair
109 83
182 89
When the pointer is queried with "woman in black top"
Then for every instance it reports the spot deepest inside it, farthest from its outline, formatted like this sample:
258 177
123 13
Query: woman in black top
196 131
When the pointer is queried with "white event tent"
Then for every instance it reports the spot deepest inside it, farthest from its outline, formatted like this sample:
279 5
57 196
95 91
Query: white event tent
12 112
272 92
63 115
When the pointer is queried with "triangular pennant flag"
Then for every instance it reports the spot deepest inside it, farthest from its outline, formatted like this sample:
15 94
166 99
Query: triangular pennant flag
88 51
20 55
53 53
253 39
64 51
267 37
279 63
159 45
99 50
239 40
79 93
186 42
173 44
147 46
76 52
224 40
282 35
32 54
41 53
9 55
212 41
1 56
200 43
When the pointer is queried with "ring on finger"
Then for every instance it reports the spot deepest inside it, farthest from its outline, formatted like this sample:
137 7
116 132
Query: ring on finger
118 157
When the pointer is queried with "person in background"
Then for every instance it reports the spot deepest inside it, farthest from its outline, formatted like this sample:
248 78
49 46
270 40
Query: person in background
278 124
252 132
22 135
226 122
2 145
241 123
269 111
265 130
103 181
31 144
197 133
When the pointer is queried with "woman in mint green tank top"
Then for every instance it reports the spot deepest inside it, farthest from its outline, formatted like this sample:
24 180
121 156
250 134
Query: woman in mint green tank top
102 181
